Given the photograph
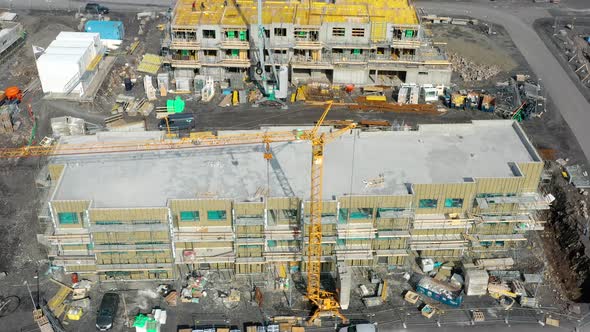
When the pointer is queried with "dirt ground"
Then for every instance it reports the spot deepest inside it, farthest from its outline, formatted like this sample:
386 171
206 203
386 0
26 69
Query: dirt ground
21 256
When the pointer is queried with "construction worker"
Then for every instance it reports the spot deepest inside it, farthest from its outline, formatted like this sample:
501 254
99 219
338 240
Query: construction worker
194 5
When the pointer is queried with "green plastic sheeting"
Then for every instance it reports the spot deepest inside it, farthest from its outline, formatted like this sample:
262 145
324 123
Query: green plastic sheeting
175 105
142 320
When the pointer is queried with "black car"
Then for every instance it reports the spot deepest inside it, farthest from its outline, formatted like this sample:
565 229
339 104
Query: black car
94 8
178 121
107 311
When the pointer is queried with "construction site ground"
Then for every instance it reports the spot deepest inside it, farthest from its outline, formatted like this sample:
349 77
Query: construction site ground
21 256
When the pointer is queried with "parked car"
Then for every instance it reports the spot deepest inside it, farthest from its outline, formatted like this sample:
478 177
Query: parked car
178 121
107 311
94 8
365 327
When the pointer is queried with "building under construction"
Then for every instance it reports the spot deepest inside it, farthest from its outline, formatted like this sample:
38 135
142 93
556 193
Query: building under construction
443 191
345 41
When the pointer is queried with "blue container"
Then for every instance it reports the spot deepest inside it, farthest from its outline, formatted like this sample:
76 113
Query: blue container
440 291
106 29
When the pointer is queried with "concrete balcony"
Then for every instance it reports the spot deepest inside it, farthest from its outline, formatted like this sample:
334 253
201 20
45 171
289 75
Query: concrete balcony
391 252
282 254
306 44
249 221
234 62
131 247
183 62
406 43
234 44
350 58
250 241
205 255
301 61
184 44
133 267
74 260
127 227
248 260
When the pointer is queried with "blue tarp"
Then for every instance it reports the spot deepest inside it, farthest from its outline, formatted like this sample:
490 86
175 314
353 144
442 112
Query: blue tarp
106 29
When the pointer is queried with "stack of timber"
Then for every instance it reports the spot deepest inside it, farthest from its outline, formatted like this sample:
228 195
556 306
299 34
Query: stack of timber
363 104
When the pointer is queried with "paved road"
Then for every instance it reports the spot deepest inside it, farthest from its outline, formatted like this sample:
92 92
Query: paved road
517 21
120 5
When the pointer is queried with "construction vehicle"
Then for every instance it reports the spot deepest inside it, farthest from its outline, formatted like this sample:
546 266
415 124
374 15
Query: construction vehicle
503 294
267 88
325 302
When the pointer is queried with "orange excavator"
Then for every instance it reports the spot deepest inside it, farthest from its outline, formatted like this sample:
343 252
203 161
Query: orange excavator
12 94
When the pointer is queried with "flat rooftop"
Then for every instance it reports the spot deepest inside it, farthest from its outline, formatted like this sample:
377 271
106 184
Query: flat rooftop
358 163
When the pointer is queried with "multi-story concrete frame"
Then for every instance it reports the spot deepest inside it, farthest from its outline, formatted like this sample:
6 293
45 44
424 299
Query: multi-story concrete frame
443 191
349 41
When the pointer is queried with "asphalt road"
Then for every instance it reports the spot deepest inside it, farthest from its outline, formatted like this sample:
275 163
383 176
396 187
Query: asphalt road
120 5
574 108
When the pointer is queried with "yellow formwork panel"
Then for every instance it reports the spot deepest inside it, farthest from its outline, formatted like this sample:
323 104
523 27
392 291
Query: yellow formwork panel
189 13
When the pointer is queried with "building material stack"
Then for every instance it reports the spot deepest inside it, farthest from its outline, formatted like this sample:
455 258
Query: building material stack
5 121
476 282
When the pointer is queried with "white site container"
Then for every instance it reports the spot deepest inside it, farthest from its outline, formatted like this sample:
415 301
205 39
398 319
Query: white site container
57 70
83 53
91 36
75 44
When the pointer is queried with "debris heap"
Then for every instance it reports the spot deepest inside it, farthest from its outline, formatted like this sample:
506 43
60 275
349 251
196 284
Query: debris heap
470 71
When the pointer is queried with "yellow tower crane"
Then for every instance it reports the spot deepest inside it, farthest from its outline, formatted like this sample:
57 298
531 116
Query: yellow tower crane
325 302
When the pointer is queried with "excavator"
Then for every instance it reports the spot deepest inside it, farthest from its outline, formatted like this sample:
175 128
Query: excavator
326 303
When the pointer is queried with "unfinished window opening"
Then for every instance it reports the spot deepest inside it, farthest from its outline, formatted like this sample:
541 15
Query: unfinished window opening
231 34
108 222
210 53
342 216
428 203
280 32
423 73
387 212
337 51
454 202
185 55
356 51
189 215
380 50
216 215
209 34
358 32
363 213
232 53
267 33
338 32
67 218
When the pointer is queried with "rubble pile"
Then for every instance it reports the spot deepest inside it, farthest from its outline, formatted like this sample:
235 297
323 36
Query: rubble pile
470 71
